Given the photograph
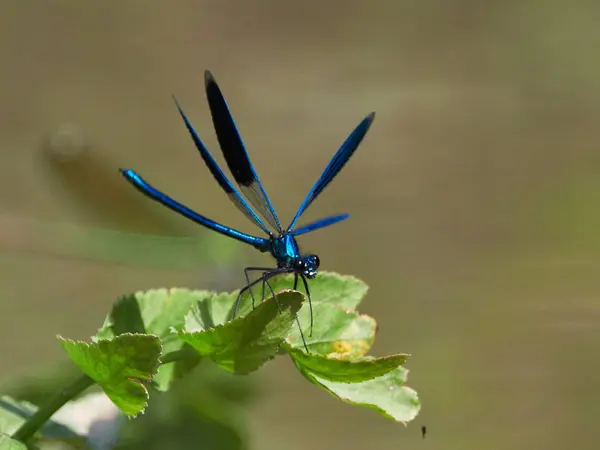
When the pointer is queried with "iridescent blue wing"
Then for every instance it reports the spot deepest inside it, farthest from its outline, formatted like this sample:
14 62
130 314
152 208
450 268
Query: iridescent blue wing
155 194
335 165
236 155
216 171
321 223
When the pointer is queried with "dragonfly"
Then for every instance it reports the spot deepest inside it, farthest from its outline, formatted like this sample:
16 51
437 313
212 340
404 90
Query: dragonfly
279 242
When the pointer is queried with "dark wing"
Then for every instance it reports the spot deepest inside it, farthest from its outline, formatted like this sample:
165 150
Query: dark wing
223 181
236 155
335 165
155 194
321 223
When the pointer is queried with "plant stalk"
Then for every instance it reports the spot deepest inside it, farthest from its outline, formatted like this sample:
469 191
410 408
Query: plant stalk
44 413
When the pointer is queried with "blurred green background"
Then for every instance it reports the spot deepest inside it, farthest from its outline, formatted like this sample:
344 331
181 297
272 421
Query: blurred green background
475 198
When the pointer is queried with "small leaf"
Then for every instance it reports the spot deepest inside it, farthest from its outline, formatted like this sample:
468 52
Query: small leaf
387 394
7 443
156 312
245 343
335 331
343 290
345 370
121 366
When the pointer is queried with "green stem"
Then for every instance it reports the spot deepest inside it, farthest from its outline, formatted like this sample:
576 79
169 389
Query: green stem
176 355
41 416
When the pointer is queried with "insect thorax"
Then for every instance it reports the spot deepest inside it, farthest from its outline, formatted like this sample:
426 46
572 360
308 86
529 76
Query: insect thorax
287 253
285 250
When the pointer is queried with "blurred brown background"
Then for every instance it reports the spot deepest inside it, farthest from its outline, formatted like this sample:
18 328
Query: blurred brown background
475 198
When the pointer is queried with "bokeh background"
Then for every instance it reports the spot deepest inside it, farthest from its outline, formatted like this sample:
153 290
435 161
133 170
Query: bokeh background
475 197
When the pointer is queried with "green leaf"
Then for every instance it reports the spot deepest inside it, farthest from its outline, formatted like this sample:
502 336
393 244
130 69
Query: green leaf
7 443
242 345
14 413
150 312
337 327
213 310
156 312
335 330
345 370
387 394
343 290
121 367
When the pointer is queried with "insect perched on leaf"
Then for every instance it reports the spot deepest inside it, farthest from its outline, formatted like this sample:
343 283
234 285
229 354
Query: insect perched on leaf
279 242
